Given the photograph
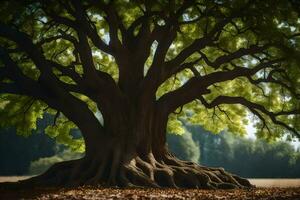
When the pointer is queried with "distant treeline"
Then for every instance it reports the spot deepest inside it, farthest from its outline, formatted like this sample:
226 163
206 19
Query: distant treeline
17 152
242 156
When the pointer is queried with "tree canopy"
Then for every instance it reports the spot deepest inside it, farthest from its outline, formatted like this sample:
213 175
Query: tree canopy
226 58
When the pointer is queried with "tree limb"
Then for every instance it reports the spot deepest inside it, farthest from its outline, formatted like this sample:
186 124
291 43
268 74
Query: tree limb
253 107
199 85
234 55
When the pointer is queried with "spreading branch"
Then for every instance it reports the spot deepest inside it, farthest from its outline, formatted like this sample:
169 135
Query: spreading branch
199 85
254 108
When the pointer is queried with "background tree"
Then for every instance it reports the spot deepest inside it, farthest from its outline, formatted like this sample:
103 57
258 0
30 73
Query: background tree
139 65
184 146
252 158
17 152
30 154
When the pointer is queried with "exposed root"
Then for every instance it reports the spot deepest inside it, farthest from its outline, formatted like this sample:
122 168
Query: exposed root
111 170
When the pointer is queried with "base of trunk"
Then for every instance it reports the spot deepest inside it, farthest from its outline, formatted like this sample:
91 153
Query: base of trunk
146 171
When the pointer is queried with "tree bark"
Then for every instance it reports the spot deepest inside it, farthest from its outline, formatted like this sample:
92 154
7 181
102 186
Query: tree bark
135 157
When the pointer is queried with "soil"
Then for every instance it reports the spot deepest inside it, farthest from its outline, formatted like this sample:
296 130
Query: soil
114 193
267 189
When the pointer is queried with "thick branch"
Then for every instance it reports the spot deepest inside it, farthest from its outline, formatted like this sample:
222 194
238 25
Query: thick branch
173 66
167 69
114 23
253 107
234 55
89 28
198 85
25 43
3 73
61 101
10 88
67 71
271 79
22 84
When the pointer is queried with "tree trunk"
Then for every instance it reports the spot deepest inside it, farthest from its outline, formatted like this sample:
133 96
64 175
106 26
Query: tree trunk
136 155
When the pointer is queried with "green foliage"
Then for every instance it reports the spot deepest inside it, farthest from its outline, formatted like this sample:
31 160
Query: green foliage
21 112
215 120
269 23
174 125
62 133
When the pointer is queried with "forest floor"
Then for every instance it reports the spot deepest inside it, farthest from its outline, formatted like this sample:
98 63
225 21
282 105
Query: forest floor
285 191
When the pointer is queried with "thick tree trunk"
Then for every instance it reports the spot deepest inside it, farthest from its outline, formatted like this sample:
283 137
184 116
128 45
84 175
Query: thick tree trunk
138 157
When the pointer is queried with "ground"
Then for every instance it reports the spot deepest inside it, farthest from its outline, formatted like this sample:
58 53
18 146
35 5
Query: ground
265 193
110 193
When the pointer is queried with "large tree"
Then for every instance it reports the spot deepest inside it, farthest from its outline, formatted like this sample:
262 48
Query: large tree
123 72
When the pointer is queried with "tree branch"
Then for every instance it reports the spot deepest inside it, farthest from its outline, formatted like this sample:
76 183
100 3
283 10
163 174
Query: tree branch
10 88
56 98
89 28
254 49
271 79
199 85
253 107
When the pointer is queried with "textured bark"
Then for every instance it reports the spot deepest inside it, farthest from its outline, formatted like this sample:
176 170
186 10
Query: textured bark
115 168
138 157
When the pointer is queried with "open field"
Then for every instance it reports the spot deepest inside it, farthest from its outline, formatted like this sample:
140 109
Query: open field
267 189
283 183
12 178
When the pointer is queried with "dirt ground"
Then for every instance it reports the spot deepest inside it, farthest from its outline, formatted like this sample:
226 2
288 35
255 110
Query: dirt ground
109 193
273 189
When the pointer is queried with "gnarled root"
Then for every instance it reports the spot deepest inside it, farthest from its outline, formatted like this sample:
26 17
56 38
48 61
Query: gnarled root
173 173
111 170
